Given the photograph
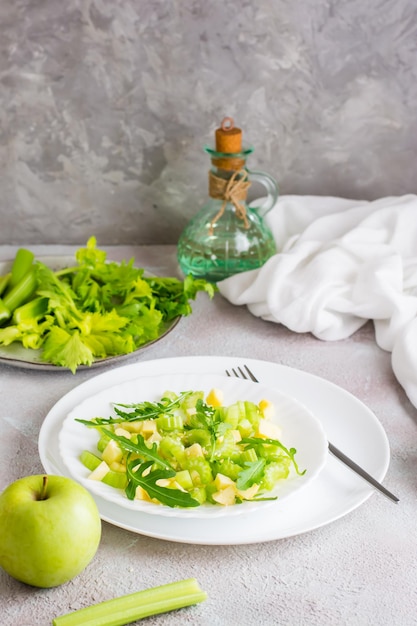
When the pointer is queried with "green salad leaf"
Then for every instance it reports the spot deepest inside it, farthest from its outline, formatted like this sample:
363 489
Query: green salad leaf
250 475
94 309
150 410
254 442
137 476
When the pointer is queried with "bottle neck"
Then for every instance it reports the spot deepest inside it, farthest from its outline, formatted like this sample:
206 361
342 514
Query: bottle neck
225 164
226 173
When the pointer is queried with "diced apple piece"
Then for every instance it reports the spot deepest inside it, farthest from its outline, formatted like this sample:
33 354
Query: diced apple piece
176 485
112 452
250 493
148 428
221 481
118 467
215 397
225 496
100 471
267 409
195 477
170 483
164 482
268 430
141 494
194 450
122 432
155 437
132 427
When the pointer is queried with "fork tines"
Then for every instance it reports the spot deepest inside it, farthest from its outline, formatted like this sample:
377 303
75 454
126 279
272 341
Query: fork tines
239 373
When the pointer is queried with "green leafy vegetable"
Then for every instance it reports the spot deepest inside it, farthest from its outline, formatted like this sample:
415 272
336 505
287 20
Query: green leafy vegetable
290 452
137 476
251 475
139 447
151 410
93 310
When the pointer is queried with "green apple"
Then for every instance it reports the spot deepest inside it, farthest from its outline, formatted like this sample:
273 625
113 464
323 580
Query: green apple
50 529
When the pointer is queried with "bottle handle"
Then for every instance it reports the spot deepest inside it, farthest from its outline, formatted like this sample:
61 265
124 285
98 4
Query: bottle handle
271 187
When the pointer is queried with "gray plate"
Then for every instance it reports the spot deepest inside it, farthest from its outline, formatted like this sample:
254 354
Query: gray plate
18 356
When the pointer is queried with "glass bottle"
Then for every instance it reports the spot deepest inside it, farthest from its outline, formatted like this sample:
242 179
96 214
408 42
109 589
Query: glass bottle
228 236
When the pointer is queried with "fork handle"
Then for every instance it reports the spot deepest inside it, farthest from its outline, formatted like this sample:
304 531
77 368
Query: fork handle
361 472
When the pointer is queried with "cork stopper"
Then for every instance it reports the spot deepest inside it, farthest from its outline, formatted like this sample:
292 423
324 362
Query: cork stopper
228 141
228 137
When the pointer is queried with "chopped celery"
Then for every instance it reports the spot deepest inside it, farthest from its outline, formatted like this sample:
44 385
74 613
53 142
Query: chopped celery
115 479
245 427
102 443
232 415
249 456
197 435
192 399
199 465
90 460
199 494
169 422
135 606
274 472
225 446
183 478
252 413
172 449
229 468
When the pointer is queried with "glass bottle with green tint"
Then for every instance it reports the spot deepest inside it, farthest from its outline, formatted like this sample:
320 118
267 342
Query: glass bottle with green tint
228 235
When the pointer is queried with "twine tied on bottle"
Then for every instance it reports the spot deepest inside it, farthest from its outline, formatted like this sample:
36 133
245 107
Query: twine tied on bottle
232 190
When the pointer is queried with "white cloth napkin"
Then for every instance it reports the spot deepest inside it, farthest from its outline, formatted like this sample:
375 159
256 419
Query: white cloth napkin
340 263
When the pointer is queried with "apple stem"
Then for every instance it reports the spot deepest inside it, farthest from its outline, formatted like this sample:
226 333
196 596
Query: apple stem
44 486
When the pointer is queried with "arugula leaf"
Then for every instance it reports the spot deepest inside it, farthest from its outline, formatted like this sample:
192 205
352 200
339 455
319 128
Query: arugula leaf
138 476
251 475
140 448
150 410
290 452
209 418
141 411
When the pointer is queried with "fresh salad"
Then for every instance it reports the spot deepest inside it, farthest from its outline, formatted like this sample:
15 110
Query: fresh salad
90 311
189 449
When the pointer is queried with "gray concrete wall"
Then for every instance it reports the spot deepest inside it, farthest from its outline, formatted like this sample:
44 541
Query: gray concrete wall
105 106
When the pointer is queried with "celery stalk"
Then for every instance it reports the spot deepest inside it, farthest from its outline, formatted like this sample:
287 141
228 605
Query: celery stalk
4 312
135 606
33 309
21 265
21 292
4 282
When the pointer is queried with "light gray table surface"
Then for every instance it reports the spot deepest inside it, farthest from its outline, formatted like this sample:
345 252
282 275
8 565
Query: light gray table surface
358 570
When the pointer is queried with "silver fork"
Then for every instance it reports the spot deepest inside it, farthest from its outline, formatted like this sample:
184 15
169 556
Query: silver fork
248 375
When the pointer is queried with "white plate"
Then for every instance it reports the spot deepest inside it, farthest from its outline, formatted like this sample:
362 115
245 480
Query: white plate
337 491
18 356
300 430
